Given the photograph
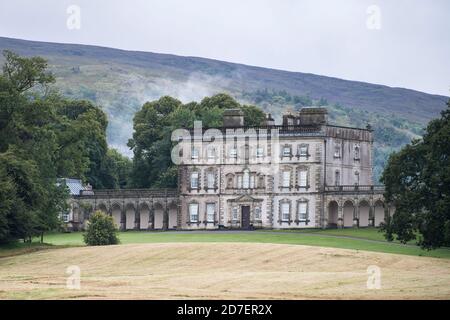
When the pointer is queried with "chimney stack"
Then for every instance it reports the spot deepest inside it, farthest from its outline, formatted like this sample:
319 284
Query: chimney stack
233 118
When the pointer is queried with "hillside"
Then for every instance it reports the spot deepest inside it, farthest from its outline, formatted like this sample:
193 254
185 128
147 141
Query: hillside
121 81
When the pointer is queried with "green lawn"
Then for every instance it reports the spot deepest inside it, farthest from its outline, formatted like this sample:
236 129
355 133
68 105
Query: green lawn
362 239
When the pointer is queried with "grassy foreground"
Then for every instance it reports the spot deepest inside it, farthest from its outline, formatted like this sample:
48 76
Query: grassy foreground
368 239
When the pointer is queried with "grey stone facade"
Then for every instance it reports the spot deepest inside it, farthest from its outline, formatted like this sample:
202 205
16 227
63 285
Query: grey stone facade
304 173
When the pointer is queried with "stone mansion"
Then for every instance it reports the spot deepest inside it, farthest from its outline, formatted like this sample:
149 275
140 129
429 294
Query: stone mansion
303 173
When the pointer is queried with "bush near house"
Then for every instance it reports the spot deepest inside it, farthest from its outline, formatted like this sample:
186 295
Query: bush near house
100 230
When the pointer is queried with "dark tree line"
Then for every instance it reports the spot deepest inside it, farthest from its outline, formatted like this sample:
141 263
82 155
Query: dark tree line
44 136
417 180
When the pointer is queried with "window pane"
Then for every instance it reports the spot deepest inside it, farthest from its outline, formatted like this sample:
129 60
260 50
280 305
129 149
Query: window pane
303 178
259 152
235 214
194 153
211 179
302 214
303 151
193 212
257 213
210 209
286 178
285 211
286 151
246 180
194 180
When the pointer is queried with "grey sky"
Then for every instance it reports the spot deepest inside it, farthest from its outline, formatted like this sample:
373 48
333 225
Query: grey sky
411 50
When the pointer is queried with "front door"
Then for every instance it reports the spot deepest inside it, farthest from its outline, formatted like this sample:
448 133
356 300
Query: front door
245 214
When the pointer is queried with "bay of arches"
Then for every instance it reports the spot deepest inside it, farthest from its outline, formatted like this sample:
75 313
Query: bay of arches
132 217
351 214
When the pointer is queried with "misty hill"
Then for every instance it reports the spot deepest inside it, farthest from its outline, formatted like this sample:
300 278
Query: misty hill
121 81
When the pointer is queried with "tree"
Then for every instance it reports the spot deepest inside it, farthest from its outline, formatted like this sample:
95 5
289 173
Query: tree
417 180
153 126
43 136
101 230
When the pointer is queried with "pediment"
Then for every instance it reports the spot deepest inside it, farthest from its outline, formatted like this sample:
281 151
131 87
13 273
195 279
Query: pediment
245 198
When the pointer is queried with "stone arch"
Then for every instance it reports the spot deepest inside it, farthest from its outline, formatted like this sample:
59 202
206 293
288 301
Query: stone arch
130 214
144 213
378 212
333 214
173 215
348 213
116 213
364 213
158 210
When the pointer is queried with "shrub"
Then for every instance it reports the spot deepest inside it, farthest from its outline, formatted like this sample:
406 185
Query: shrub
100 230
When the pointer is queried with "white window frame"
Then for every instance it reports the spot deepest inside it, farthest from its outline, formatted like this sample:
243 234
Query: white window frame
287 151
337 150
285 211
233 153
246 180
210 211
195 178
211 179
303 215
193 212
257 213
259 152
194 153
302 148
303 178
234 214
286 179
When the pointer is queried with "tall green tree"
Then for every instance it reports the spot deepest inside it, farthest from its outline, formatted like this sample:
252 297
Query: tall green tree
153 126
43 136
417 180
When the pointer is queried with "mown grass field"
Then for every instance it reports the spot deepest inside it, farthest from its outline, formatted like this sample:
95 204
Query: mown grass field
305 264
368 239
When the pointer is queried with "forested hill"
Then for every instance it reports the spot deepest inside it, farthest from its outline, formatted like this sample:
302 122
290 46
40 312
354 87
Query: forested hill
121 81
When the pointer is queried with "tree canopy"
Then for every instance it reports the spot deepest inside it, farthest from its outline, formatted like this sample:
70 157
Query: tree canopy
417 180
154 123
44 136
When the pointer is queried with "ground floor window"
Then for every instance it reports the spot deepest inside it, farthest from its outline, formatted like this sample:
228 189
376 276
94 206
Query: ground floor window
285 211
303 211
193 212
210 211
257 213
234 213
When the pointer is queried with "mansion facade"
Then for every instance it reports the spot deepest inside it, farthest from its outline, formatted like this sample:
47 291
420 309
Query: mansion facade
303 173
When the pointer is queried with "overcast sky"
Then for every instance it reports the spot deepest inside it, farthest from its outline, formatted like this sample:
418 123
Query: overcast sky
402 43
